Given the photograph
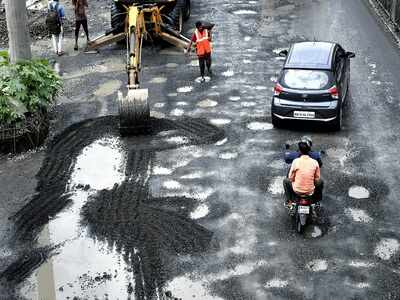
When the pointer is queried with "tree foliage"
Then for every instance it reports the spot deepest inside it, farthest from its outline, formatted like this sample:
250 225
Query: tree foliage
25 87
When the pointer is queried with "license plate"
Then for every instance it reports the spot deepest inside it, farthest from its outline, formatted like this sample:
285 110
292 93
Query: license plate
304 210
304 114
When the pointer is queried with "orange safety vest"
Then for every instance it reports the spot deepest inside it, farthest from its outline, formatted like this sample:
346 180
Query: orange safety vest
203 45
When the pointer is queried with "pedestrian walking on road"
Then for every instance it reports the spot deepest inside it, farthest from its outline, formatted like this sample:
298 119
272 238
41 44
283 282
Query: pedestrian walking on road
54 21
80 20
202 39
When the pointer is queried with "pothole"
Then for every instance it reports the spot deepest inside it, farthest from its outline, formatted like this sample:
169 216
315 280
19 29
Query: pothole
108 88
200 212
358 215
387 248
317 265
207 103
220 122
184 89
358 192
276 283
313 231
260 126
244 12
228 73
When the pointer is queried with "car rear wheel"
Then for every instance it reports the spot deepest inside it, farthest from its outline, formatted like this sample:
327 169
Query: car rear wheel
337 123
276 122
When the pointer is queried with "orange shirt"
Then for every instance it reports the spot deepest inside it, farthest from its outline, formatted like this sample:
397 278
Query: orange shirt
303 173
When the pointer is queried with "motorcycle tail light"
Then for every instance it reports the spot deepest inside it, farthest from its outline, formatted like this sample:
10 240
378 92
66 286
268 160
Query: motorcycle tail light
304 202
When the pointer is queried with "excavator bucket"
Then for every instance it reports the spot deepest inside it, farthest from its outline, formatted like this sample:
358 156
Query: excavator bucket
134 112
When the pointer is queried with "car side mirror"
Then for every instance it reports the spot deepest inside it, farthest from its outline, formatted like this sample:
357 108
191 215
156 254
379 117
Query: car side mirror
283 53
350 55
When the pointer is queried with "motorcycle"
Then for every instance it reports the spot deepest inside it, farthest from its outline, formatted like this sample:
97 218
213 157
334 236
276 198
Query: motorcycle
302 209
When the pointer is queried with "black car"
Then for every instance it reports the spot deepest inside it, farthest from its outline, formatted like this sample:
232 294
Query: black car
313 84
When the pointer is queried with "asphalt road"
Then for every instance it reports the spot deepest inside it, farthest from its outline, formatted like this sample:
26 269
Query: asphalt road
196 208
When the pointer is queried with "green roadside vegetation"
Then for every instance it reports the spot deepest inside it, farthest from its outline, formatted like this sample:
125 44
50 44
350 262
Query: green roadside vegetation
25 88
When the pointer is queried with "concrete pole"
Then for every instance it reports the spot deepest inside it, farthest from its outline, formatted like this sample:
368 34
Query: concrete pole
18 33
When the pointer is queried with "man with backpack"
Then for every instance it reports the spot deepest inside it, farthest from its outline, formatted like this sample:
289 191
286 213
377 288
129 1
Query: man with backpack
54 22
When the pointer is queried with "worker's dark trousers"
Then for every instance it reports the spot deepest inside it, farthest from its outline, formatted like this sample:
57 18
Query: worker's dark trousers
291 195
203 61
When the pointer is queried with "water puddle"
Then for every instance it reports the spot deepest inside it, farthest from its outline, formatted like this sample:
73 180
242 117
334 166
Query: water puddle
247 38
207 103
234 98
257 126
276 186
161 171
108 88
228 155
171 65
172 185
220 122
228 73
159 105
183 287
184 89
83 267
87 170
317 265
158 80
177 112
276 283
245 12
248 104
358 215
182 103
221 142
313 231
358 192
200 212
200 79
177 140
387 248
172 95
361 264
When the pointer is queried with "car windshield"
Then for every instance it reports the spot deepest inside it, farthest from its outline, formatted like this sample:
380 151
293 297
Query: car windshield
306 79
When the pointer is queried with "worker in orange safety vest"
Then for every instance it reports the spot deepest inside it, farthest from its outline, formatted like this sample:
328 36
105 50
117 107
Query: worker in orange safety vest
202 39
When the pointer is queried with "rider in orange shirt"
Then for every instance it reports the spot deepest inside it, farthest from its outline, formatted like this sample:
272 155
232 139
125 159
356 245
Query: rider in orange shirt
304 177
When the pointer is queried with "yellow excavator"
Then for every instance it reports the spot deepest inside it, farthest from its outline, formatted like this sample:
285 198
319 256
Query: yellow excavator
135 21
